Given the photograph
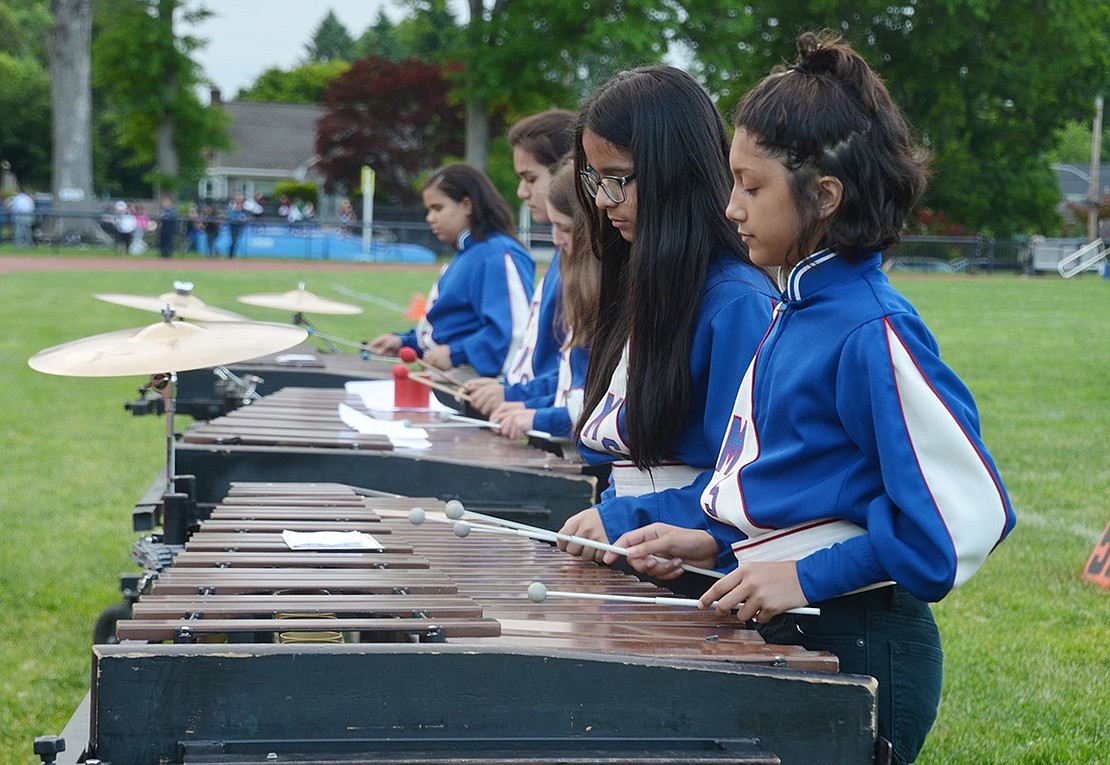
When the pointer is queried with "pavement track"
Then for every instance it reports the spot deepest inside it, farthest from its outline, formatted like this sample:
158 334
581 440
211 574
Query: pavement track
16 263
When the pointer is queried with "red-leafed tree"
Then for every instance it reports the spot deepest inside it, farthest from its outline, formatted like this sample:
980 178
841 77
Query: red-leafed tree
394 117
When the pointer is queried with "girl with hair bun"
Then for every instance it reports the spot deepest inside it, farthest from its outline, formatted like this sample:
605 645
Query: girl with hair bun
852 466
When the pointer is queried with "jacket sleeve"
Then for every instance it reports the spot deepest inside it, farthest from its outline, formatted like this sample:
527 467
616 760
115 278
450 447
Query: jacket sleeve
554 420
943 507
537 388
502 301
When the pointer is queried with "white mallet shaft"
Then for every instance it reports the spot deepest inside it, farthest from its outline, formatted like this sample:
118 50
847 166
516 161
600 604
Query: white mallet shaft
538 592
456 508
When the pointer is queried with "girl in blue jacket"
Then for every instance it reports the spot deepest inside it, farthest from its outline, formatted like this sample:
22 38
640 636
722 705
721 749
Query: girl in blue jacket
478 308
555 412
852 475
540 144
681 307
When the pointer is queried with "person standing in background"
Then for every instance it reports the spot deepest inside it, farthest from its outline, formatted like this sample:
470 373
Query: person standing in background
236 222
21 205
167 230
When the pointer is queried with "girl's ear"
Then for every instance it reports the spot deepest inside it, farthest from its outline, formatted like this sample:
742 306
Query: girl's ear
468 205
830 193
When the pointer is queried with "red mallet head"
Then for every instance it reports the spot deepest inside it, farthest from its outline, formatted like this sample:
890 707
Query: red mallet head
408 355
400 372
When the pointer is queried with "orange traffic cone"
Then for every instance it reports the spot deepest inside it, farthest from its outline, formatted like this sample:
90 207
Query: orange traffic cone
417 307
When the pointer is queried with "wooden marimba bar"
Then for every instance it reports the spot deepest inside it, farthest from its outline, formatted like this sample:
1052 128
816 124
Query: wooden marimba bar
427 649
297 434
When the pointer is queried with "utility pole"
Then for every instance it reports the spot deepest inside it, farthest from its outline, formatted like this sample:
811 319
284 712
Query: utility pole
1093 196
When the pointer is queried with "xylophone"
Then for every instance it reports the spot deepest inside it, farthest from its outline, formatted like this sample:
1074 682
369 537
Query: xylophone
207 393
296 434
428 649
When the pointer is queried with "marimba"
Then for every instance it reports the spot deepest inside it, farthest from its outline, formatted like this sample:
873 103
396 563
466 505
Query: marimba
296 434
204 393
427 649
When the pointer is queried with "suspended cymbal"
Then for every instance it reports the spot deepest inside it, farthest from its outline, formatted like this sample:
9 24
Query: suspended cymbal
168 346
300 301
182 300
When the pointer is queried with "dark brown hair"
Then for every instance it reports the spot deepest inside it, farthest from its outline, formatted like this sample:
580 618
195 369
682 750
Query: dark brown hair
830 114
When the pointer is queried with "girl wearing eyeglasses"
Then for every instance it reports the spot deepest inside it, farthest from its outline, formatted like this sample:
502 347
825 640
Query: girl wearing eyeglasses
681 309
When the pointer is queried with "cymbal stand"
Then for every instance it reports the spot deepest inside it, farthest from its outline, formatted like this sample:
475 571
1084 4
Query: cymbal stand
300 321
331 340
232 386
165 383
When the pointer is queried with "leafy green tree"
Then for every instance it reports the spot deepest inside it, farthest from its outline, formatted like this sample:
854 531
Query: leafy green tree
146 82
304 84
986 94
25 104
331 41
381 40
1073 143
24 25
531 54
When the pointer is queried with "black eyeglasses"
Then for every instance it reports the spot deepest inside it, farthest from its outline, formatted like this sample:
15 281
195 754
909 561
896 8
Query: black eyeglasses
612 185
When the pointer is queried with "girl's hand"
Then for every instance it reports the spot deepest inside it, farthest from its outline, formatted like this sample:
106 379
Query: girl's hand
385 345
660 549
514 419
485 395
759 591
438 356
585 524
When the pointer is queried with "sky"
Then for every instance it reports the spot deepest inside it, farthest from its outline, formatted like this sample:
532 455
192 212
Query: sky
247 37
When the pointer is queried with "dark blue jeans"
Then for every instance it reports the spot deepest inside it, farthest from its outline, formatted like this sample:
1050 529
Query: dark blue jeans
890 635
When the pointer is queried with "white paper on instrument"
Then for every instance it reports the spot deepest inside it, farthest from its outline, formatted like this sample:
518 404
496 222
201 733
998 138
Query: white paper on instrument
296 358
399 433
329 540
377 396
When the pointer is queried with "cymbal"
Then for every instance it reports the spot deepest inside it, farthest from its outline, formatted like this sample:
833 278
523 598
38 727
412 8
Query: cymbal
300 301
168 346
182 300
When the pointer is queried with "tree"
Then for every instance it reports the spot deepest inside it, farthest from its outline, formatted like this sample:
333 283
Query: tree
71 100
25 104
986 95
396 118
529 55
304 84
150 99
24 27
381 40
331 41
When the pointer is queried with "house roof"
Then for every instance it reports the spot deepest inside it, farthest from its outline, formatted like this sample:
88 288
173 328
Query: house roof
270 136
1074 179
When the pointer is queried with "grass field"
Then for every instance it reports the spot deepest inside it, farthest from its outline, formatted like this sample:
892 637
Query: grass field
1027 642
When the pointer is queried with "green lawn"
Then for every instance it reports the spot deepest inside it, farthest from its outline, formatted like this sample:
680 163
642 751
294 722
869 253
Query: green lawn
1026 640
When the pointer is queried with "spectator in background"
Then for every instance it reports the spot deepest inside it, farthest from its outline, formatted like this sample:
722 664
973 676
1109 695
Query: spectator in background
347 219
167 230
194 231
21 205
236 221
255 207
211 230
125 224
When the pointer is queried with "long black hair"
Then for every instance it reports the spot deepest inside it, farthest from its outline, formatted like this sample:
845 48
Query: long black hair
651 289
489 210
